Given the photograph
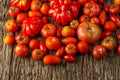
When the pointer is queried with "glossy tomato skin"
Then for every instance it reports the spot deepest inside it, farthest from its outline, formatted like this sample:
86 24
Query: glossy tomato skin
71 49
117 2
48 30
34 13
35 5
106 7
59 31
99 51
21 50
52 43
86 29
43 47
69 58
34 44
114 9
37 54
69 40
13 11
74 24
9 39
84 18
118 49
21 17
82 2
44 9
103 17
51 60
106 34
115 19
95 20
60 51
82 47
11 25
45 20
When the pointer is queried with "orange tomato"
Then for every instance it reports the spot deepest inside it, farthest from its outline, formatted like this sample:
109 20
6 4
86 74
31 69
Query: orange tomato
9 39
34 13
35 5
44 8
117 2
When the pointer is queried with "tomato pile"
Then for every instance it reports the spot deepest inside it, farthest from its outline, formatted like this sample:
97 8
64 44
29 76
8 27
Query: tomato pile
75 25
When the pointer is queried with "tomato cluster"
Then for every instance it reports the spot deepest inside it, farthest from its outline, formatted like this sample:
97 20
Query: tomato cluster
78 24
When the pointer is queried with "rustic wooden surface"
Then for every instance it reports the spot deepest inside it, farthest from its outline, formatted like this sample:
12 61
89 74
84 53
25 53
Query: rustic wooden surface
86 67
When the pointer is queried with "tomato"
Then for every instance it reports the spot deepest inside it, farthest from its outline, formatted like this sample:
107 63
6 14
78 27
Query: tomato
109 42
82 2
44 9
9 39
35 5
48 30
22 39
43 47
88 32
91 9
11 25
21 17
53 43
110 26
59 31
69 40
68 31
74 24
69 58
117 2
51 60
118 49
93 1
114 9
21 4
115 19
99 51
21 50
106 34
34 44
13 11
101 1
82 47
106 8
84 18
37 54
95 20
45 20
71 49
60 51
34 13
103 17
118 35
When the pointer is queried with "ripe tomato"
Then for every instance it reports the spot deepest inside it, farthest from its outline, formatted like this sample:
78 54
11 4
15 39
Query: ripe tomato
103 17
34 13
53 43
69 58
45 19
34 44
115 19
82 2
43 47
13 11
118 49
68 31
35 5
9 39
99 51
51 60
37 54
21 50
44 8
82 47
95 20
59 31
109 42
21 17
110 26
69 40
74 24
117 2
11 25
106 34
71 49
48 30
84 18
118 35
114 9
60 51
106 7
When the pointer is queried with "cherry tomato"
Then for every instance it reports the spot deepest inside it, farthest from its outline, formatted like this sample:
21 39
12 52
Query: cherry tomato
21 50
9 39
115 19
13 11
69 40
45 20
118 35
82 2
118 49
69 58
34 44
106 8
34 13
43 47
114 9
60 51
74 24
11 25
84 18
71 49
37 54
35 5
99 51
59 31
45 8
95 20
103 17
21 17
106 34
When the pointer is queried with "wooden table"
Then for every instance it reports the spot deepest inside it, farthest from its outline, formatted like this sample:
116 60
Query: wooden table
85 68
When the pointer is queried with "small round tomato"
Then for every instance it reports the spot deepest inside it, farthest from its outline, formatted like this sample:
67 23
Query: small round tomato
71 49
59 31
74 23
109 42
68 31
118 35
37 54
13 11
99 51
110 26
114 9
106 34
69 40
69 58
34 13
9 39
82 47
84 18
43 47
60 51
95 20
48 30
45 8
118 49
11 25
106 7
34 44
45 19
21 50
82 2
22 39
21 17
53 43
35 5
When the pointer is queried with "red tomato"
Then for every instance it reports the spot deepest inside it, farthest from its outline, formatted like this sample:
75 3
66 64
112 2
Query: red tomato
34 44
118 35
99 51
48 30
106 34
69 58
45 20
82 47
44 8
60 51
95 20
101 1
21 50
103 17
35 5
71 49
9 39
118 49
22 39
59 31
114 9
84 18
106 7
13 11
34 13
53 43
82 2
115 19
93 1
74 24
37 54
43 47
117 2
51 60
69 40
11 25
110 26
21 17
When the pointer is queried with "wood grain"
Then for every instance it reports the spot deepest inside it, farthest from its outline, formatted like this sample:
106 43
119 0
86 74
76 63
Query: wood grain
86 67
